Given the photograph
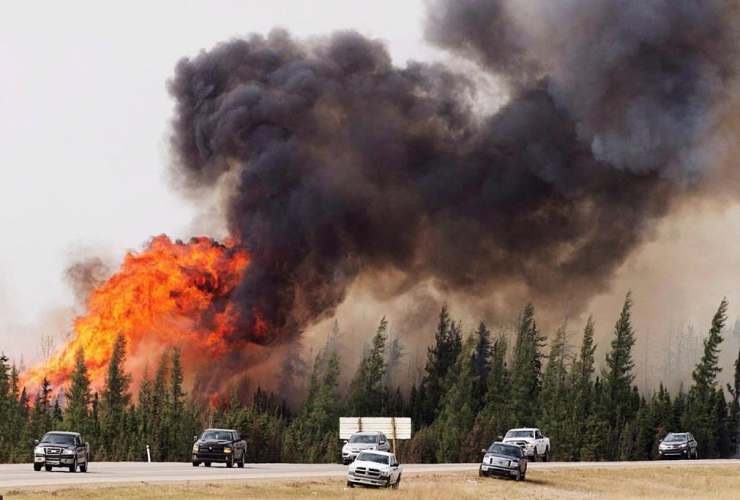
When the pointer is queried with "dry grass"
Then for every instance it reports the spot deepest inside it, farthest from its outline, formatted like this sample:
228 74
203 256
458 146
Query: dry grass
705 483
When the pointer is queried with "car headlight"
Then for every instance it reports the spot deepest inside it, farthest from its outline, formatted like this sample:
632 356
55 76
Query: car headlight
351 472
530 445
227 450
683 445
38 451
196 448
385 473
372 447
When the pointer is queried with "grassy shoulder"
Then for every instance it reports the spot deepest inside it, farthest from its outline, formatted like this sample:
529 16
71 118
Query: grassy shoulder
710 483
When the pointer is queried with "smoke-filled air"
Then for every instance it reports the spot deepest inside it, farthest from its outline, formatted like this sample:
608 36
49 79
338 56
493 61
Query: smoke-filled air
335 164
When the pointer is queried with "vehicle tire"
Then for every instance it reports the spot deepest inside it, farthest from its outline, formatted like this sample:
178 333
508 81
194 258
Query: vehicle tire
480 471
196 463
241 462
524 476
397 483
207 464
83 468
518 476
534 457
37 467
47 468
230 463
546 456
350 484
73 467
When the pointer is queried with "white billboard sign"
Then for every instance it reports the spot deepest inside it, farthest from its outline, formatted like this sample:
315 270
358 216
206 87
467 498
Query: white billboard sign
392 427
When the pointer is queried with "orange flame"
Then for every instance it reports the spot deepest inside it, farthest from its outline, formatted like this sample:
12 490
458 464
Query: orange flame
172 294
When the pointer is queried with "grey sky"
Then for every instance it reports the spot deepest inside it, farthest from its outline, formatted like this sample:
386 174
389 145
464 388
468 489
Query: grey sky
84 118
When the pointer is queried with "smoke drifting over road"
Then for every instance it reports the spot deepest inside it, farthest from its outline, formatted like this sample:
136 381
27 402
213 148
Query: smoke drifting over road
339 164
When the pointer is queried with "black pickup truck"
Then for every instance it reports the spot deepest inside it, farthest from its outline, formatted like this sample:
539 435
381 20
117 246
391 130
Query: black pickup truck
61 449
222 446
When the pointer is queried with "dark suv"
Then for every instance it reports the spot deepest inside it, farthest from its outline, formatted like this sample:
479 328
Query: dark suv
219 446
678 445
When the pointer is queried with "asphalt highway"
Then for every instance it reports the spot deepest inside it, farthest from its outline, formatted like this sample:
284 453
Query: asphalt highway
106 473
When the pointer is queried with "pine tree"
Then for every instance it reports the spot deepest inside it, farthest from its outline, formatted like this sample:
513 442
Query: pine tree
115 401
618 377
368 397
79 398
734 417
393 365
481 360
496 411
556 390
581 395
459 405
703 394
440 357
526 371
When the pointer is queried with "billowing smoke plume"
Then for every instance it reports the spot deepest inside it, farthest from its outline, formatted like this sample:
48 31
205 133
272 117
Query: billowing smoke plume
342 164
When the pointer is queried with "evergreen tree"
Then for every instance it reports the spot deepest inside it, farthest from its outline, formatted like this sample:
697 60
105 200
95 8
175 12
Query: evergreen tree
556 390
440 357
618 377
734 416
114 402
526 371
703 396
581 394
79 398
368 397
481 360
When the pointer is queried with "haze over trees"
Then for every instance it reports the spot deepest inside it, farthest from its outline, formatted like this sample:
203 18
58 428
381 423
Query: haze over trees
474 387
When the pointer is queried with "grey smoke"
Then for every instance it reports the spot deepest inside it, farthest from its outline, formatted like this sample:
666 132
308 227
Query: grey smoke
343 164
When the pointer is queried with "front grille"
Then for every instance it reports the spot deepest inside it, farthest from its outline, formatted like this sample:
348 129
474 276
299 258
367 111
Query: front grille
365 472
53 451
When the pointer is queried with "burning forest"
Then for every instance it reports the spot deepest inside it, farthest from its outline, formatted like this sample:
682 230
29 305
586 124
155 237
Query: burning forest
335 163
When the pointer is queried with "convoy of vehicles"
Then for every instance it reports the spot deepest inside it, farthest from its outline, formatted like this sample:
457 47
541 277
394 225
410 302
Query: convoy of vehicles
504 460
368 454
678 445
375 468
219 446
533 444
361 441
61 449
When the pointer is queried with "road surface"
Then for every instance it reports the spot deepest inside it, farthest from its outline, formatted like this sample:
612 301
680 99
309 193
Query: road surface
106 473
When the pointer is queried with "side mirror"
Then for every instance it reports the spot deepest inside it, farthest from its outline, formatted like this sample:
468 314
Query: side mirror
195 438
346 442
500 438
36 442
483 450
660 441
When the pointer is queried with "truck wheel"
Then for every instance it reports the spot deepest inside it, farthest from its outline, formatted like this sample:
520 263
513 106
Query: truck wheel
37 467
534 457
241 462
518 476
73 467
47 468
480 471
207 464
524 476
196 463
83 468
397 483
546 456
230 462
350 484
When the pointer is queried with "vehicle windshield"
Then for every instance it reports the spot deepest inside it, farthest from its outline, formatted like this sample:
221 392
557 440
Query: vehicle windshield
367 456
364 438
52 438
216 436
506 450
519 434
675 438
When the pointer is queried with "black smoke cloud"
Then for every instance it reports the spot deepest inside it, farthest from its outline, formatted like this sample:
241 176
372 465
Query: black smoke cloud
342 164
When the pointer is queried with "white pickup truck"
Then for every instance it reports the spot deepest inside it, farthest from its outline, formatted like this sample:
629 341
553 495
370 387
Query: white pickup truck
533 444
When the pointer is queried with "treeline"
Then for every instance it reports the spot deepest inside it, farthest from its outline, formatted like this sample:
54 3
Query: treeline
474 387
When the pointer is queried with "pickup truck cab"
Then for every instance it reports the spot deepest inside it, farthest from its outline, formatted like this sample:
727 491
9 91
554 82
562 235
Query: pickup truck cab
533 444
61 449
361 441
375 468
504 460
219 446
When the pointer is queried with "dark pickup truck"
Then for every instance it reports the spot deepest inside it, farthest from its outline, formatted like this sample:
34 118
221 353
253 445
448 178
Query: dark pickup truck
222 446
61 449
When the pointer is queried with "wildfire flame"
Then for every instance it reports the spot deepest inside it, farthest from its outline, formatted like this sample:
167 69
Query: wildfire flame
172 294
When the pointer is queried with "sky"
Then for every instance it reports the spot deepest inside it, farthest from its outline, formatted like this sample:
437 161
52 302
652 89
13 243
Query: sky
83 154
84 125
